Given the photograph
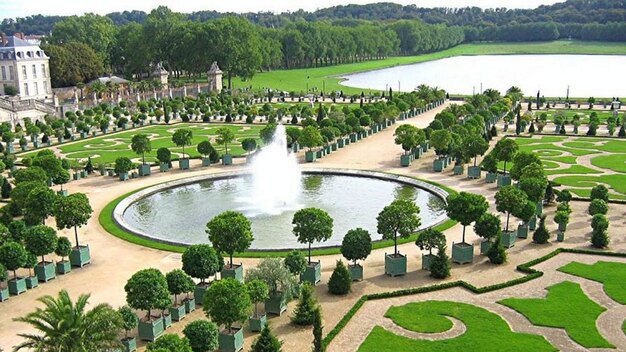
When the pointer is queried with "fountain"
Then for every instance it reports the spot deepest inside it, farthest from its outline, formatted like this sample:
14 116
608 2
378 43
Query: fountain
276 179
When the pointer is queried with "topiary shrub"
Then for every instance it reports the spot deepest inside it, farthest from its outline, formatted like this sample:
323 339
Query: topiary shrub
64 247
598 206
340 281
306 306
169 343
599 235
202 335
541 234
266 342
296 262
600 192
440 265
496 253
129 319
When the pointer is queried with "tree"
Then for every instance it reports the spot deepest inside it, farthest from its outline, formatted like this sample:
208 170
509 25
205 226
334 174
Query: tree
140 144
178 282
475 146
182 137
407 137
564 196
598 206
440 140
312 225
296 262
164 155
123 165
600 192
129 319
401 217
307 304
202 335
60 322
224 137
318 341
599 234
505 150
488 226
466 208
258 292
311 137
497 253
201 261
39 204
40 240
541 234
266 342
205 148
64 247
440 265
227 301
71 63
430 239
72 211
6 188
230 232
340 281
33 173
521 160
267 133
276 275
356 245
170 343
147 290
248 144
13 256
509 200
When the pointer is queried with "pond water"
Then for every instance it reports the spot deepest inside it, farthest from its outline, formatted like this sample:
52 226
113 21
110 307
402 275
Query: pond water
180 214
586 75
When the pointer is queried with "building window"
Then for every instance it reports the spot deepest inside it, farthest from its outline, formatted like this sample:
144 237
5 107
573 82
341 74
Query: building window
34 71
36 88
24 72
26 89
45 87
11 73
4 73
43 70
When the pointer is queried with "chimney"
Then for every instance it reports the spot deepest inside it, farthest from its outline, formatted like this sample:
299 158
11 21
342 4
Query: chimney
19 35
4 39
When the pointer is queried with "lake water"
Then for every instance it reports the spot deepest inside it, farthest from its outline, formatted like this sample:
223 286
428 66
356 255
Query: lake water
586 75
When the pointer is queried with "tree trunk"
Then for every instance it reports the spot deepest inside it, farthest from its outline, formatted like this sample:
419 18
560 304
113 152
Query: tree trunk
76 236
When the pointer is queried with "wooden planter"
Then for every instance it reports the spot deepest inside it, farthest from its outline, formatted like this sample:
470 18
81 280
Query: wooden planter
17 286
123 176
438 165
167 321
504 180
227 159
295 147
150 330
562 227
183 163
198 293
462 253
473 172
144 170
4 294
426 260
206 162
491 177
312 273
484 247
164 167
522 231
231 341
31 282
258 323
276 304
458 170
309 156
64 267
178 312
395 265
80 256
508 239
130 344
234 272
45 271
560 236
356 272
190 304
405 160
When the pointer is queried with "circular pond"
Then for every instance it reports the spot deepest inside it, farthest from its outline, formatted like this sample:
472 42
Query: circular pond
177 212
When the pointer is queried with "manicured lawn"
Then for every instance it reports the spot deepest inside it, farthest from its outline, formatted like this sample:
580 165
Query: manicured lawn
567 307
296 80
107 148
486 331
611 274
583 113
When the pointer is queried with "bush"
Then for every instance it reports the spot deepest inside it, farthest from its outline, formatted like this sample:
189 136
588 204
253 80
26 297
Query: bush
497 253
306 306
129 318
340 281
64 247
600 192
13 256
599 235
318 342
170 343
266 342
123 165
356 245
598 206
226 302
178 282
541 234
40 240
201 261
296 262
440 265
202 335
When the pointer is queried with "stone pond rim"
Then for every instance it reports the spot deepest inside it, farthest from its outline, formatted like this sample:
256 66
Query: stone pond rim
117 213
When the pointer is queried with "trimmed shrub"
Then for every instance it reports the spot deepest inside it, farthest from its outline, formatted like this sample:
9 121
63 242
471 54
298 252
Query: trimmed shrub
306 306
497 253
599 235
440 265
170 343
598 206
600 192
266 342
340 281
541 234
202 335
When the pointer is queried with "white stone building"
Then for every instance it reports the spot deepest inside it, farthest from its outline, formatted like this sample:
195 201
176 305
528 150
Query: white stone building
25 66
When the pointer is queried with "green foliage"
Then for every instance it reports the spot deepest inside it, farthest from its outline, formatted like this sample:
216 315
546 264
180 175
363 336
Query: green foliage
598 206
401 217
430 239
40 240
564 196
39 204
440 140
510 200
147 290
340 281
497 253
610 274
13 256
409 137
310 137
226 301
526 211
248 144
356 244
178 282
440 264
307 304
535 188
318 342
71 63
202 335
505 150
140 144
201 261
276 275
490 163
230 232
33 173
3 273
488 226
170 343
257 290
224 137
266 342
465 208
296 262
129 318
599 234
521 160
123 165
600 192
182 138
64 247
312 225
164 155
72 211
541 234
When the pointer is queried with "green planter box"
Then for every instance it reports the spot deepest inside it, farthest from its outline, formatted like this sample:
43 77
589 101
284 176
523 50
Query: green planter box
340 143
130 344
295 147
45 272
144 170
445 162
10 149
560 236
24 147
167 321
356 272
230 341
309 156
522 231
190 304
31 282
4 294
80 256
17 286
36 144
458 170
417 152
178 313
473 172
103 172
76 176
504 180
532 224
438 165
111 173
539 208
319 154
425 147
312 273
426 260
150 330
347 141
64 267
258 323
395 265
405 160
227 159
353 137
183 164
462 253
198 293
164 167
63 193
484 247
206 162
333 147
83 173
234 272
562 227
491 177
508 239
276 304
123 176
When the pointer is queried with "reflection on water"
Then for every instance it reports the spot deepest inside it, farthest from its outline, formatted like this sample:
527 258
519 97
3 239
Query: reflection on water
181 214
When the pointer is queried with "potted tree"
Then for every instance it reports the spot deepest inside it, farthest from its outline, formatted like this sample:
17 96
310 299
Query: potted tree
427 240
490 164
356 245
41 240
225 136
12 257
440 140
70 212
178 282
202 335
4 292
312 225
509 200
181 138
279 280
400 218
64 248
525 213
226 302
310 138
130 320
465 208
201 261
31 261
230 232
561 217
504 151
475 146
488 228
165 157
122 166
296 263
140 144
259 292
147 290
205 149
406 136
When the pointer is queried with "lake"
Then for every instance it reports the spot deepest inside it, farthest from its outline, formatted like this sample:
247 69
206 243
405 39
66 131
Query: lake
586 75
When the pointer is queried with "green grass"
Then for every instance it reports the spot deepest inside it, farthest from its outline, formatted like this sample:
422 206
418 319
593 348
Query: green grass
107 148
616 182
566 306
326 77
574 169
624 327
583 114
611 274
586 193
485 331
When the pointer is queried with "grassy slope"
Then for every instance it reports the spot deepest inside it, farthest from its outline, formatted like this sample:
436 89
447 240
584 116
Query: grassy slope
296 80
611 274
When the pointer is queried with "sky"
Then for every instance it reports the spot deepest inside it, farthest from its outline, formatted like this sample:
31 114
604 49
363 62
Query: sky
22 8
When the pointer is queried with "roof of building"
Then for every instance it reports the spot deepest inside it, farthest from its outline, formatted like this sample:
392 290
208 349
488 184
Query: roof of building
13 42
